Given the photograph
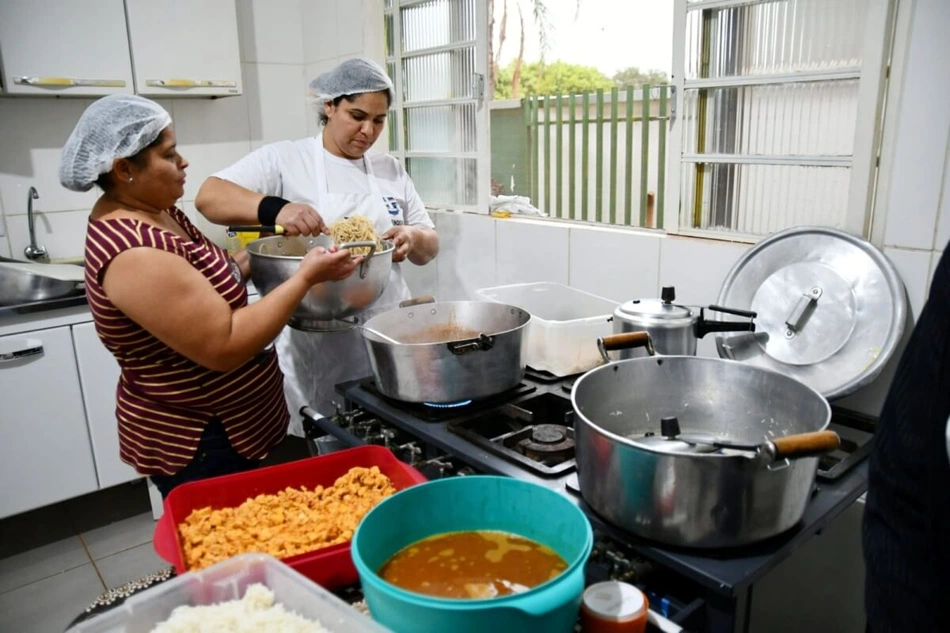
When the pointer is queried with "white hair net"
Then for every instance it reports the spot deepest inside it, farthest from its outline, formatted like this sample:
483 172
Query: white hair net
354 76
117 126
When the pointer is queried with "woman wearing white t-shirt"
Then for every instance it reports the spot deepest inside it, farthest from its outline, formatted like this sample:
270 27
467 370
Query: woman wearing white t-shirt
307 184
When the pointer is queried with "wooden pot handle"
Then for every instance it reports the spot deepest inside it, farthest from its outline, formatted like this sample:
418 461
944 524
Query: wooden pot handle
805 444
630 340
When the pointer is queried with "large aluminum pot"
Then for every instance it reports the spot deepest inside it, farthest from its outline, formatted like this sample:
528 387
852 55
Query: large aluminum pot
447 352
675 329
730 469
274 259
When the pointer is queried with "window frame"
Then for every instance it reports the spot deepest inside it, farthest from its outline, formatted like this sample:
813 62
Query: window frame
482 153
872 76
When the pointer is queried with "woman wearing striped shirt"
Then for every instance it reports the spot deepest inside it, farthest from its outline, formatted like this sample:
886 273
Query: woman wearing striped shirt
199 393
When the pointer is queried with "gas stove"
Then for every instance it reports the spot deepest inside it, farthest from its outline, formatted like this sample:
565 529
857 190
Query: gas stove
528 432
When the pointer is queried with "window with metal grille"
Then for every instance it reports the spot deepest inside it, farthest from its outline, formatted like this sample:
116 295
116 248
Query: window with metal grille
780 110
435 52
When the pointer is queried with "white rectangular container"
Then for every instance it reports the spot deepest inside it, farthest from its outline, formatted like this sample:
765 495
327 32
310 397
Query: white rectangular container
565 324
228 580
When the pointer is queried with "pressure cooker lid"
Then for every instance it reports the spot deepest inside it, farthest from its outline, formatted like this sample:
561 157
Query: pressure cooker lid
831 308
655 309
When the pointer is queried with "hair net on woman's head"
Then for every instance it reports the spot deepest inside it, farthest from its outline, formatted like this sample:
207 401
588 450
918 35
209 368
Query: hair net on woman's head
117 126
354 76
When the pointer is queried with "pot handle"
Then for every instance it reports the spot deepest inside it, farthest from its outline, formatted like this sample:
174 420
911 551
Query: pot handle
704 327
802 445
629 340
417 301
749 314
483 343
371 245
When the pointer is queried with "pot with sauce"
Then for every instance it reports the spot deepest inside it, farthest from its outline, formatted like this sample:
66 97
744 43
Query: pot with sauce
447 352
518 550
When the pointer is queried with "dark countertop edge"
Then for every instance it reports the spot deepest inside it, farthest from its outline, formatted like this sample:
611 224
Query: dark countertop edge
48 305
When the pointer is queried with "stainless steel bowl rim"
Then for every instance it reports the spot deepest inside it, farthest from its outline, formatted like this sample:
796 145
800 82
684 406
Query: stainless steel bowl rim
387 247
650 448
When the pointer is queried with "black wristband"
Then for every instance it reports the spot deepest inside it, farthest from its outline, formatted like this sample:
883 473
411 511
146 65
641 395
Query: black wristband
268 209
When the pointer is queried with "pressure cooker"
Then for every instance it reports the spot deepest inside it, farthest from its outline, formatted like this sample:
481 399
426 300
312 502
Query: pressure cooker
674 328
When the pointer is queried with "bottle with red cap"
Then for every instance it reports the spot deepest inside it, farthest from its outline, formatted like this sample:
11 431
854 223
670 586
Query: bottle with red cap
614 607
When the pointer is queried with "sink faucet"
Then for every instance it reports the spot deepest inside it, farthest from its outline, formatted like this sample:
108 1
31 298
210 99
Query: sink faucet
33 251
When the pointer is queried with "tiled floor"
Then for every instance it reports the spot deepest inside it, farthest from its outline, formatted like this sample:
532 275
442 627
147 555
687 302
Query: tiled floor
55 561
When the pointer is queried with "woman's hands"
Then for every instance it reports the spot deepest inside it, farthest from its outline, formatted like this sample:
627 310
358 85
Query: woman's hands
403 238
418 244
299 218
332 264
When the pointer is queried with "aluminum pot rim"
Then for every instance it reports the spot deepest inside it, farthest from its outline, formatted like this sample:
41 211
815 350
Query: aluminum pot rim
701 359
253 248
373 338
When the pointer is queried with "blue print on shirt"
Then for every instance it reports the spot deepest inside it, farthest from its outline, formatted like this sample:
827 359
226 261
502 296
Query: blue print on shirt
395 211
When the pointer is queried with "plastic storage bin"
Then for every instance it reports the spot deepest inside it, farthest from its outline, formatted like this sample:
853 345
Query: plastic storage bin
228 580
565 324
329 566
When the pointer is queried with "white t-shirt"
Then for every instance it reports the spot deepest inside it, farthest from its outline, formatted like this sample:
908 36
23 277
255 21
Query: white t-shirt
285 169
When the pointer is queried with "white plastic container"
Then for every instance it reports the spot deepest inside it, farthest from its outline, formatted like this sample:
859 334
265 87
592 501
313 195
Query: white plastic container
228 580
565 324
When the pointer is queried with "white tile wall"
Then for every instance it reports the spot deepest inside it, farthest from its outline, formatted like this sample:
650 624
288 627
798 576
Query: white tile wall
531 251
349 25
63 233
33 132
212 134
614 265
914 270
942 237
934 260
467 255
271 31
697 268
321 34
919 156
276 102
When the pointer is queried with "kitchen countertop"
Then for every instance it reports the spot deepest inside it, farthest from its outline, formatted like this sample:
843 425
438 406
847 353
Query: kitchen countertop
75 299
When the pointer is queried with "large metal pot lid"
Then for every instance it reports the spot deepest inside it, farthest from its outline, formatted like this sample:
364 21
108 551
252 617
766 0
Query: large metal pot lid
831 308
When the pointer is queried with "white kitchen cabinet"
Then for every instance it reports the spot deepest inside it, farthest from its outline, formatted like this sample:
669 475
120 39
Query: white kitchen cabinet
75 48
184 48
45 454
99 376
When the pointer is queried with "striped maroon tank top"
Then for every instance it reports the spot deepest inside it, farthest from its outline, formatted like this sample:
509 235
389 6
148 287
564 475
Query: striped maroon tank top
164 400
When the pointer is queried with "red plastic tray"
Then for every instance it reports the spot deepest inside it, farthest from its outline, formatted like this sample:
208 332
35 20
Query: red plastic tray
331 566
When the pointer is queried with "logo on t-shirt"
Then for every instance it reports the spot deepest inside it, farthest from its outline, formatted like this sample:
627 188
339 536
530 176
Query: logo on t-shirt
395 211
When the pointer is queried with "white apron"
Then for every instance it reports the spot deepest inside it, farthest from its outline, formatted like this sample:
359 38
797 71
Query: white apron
314 363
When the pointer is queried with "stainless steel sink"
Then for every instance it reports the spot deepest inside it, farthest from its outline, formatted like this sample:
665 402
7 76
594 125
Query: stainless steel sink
18 287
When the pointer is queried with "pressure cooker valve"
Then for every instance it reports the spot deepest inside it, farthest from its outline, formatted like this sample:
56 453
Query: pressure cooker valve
669 427
668 294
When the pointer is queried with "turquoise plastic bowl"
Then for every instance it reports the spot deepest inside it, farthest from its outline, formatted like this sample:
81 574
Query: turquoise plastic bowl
474 503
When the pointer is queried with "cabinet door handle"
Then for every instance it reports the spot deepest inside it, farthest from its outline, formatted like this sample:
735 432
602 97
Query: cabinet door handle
190 83
21 349
66 82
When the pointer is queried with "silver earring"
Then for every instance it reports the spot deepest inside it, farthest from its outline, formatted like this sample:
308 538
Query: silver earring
130 180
